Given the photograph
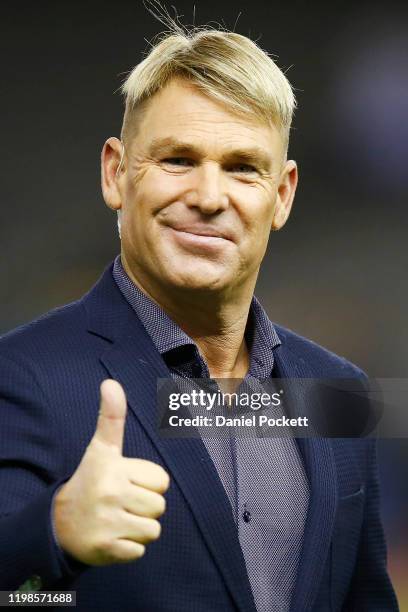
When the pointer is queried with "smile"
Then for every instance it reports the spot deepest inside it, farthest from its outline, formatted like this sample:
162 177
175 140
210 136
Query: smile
199 239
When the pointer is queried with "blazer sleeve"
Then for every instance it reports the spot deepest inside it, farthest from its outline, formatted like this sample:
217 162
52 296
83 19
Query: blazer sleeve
29 476
371 589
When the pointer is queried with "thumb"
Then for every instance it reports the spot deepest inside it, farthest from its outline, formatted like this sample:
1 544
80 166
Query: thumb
110 427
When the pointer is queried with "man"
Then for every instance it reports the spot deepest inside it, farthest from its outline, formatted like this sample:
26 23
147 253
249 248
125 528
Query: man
199 179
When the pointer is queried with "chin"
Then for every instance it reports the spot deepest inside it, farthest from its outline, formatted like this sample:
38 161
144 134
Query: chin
200 282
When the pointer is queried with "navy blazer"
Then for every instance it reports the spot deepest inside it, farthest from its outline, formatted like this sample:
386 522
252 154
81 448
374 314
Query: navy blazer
51 371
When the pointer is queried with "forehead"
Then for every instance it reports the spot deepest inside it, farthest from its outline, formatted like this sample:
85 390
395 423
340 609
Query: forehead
182 112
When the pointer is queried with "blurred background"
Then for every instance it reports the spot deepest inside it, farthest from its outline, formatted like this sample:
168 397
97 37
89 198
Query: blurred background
337 273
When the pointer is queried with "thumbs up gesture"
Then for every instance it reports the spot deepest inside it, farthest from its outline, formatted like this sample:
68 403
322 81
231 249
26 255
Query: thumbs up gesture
107 511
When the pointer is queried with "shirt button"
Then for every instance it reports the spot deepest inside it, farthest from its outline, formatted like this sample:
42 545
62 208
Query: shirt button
246 516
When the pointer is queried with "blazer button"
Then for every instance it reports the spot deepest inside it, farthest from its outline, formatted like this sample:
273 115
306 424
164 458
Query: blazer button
246 516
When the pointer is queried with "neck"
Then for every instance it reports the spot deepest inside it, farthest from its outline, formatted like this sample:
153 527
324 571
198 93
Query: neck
215 322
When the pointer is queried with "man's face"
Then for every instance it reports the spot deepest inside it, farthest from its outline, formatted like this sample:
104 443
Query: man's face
198 193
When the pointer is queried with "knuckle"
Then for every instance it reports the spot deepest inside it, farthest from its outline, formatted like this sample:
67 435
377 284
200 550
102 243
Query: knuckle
154 530
164 480
161 505
109 494
156 506
111 498
104 518
139 551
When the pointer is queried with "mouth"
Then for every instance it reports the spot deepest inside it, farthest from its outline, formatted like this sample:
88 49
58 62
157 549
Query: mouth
203 231
199 238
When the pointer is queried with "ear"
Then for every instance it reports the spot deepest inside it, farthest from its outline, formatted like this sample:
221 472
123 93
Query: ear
112 165
286 192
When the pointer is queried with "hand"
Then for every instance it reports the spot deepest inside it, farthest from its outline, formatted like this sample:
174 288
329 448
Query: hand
107 511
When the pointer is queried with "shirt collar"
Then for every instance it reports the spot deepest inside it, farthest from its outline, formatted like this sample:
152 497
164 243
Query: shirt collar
260 333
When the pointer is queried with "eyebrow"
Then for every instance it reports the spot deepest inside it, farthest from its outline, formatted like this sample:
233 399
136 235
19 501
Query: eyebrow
254 155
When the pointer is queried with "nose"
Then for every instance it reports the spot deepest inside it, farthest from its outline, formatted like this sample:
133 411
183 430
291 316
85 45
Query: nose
207 190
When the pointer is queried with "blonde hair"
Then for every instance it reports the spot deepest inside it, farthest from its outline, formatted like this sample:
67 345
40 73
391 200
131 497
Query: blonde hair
226 66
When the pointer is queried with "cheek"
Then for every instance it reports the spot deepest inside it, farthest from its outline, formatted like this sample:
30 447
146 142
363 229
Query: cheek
139 198
154 192
256 211
147 199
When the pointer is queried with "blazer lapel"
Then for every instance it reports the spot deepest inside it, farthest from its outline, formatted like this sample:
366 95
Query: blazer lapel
320 468
134 361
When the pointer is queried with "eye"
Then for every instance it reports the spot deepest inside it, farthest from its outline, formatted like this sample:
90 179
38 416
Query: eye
178 162
243 169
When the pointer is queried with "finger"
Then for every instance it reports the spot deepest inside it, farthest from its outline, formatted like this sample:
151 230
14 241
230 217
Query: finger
139 528
123 550
148 475
110 427
143 502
